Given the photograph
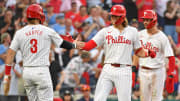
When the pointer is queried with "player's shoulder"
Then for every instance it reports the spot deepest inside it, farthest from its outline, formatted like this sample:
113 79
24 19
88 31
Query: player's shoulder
162 35
131 28
46 28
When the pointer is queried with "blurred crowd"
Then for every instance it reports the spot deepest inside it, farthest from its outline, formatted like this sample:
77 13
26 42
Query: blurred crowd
75 71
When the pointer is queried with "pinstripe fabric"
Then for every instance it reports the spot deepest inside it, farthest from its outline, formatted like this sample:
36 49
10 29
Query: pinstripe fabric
38 85
118 46
34 42
121 77
160 44
44 36
152 84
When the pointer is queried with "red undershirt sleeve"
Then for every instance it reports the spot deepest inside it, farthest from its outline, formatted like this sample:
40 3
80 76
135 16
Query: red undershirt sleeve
89 45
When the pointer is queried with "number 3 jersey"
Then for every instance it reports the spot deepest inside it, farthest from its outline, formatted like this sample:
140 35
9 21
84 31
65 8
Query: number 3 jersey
34 42
160 44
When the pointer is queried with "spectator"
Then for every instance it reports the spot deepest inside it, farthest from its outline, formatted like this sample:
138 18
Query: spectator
91 3
131 9
56 5
59 27
72 13
67 5
80 18
74 71
94 19
7 23
134 23
160 8
21 21
67 96
105 16
178 29
171 16
86 93
2 7
50 16
69 27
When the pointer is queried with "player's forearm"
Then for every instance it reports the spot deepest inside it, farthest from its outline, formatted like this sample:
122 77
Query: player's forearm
10 56
9 61
141 53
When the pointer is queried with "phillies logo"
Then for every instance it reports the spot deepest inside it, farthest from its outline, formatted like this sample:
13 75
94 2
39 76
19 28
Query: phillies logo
150 46
118 39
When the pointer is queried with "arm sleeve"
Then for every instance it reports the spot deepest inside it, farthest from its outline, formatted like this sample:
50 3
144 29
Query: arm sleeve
167 48
89 45
56 39
171 63
99 37
136 41
15 44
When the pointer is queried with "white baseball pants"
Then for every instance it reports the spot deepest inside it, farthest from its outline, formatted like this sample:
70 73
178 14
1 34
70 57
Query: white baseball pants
38 84
121 77
152 84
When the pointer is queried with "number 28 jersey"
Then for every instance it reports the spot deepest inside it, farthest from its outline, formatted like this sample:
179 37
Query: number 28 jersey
34 42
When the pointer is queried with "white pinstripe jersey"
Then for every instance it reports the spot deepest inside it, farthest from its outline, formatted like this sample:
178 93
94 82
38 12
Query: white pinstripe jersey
118 46
160 44
34 42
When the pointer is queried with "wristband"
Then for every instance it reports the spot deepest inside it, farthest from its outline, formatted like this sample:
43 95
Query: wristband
74 45
8 69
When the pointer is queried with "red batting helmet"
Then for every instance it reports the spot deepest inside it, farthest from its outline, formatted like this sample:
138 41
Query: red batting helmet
35 11
150 14
118 10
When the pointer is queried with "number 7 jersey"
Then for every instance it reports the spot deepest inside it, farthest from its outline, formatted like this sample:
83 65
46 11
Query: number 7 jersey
34 42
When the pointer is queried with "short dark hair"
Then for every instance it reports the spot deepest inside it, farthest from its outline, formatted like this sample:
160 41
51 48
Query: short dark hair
31 20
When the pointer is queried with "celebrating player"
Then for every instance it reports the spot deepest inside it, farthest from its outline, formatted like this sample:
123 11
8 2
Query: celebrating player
152 71
119 40
34 42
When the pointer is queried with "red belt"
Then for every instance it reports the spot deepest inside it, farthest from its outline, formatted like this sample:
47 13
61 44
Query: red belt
119 65
148 68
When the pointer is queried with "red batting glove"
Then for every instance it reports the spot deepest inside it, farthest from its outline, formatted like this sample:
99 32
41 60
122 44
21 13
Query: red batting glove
152 53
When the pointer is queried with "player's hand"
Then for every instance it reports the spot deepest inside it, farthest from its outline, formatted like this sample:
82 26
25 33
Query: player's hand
6 83
79 44
152 53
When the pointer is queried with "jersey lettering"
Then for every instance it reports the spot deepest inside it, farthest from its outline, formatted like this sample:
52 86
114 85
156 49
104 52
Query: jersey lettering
118 39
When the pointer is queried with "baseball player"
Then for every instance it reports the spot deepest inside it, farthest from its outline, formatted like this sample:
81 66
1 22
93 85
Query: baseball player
152 71
34 42
118 40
